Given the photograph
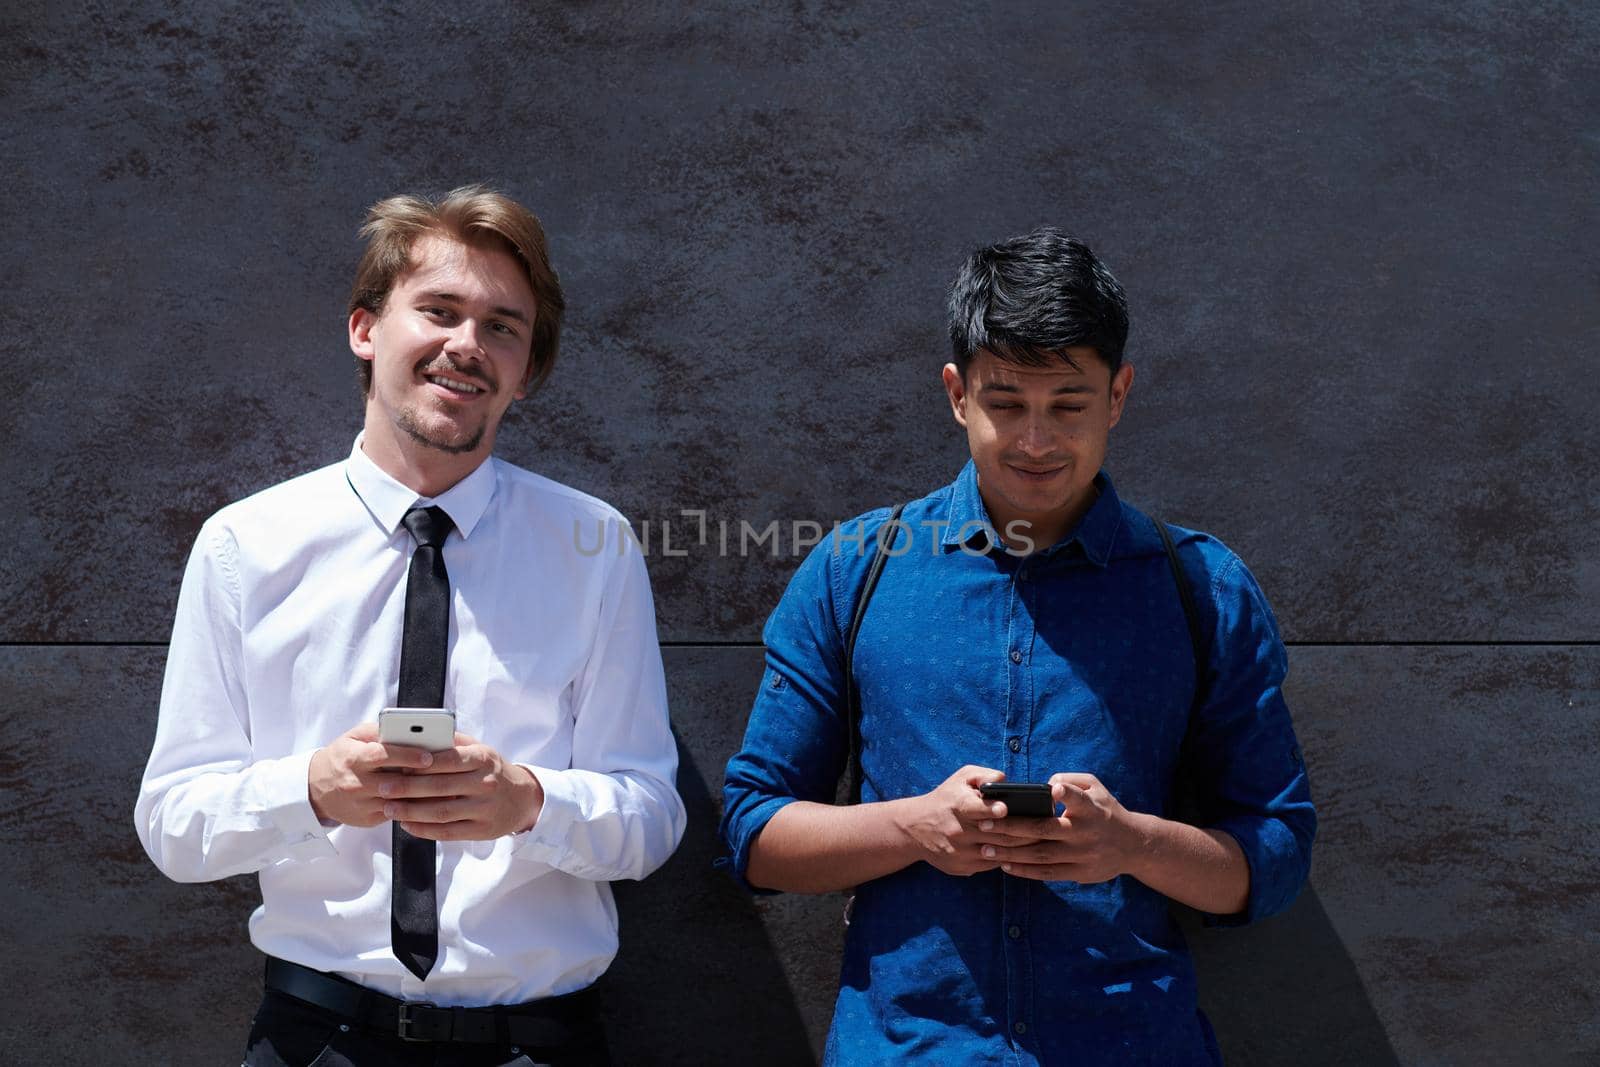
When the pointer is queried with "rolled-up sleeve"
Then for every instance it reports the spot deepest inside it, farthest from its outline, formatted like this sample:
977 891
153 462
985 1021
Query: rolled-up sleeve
796 743
1246 762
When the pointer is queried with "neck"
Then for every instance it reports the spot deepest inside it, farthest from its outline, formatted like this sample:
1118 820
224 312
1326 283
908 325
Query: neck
426 471
1043 529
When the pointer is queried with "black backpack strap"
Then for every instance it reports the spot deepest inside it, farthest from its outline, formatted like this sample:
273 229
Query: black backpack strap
852 696
1186 801
1196 636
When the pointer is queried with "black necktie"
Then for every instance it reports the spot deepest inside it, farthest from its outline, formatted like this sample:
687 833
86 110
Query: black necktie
413 908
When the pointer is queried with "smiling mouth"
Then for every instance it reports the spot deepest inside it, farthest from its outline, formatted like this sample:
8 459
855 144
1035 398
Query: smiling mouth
463 388
1040 475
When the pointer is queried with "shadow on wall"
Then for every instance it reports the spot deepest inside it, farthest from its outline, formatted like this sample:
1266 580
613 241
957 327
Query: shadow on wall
697 979
1286 991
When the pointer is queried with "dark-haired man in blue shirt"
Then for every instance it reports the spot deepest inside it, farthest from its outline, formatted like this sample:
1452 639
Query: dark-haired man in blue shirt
1028 628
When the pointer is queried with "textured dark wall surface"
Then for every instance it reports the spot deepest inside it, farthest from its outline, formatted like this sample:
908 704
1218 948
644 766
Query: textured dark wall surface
1359 241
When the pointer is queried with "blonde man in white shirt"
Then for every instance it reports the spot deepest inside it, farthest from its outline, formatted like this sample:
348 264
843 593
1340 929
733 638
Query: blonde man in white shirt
288 642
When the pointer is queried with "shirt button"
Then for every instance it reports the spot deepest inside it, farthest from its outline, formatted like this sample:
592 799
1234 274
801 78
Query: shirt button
1016 657
1014 744
1019 1028
1013 932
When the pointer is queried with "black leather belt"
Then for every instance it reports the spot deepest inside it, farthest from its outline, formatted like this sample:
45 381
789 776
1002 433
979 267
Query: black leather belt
554 1022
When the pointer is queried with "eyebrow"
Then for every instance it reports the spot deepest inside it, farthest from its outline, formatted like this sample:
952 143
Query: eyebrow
1060 390
503 312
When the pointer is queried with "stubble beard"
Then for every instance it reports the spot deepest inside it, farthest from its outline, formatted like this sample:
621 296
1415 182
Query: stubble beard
1031 509
409 424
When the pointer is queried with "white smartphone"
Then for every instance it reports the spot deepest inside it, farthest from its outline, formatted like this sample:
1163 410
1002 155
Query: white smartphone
431 728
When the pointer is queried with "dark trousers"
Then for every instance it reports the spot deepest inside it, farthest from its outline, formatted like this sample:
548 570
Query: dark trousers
291 1033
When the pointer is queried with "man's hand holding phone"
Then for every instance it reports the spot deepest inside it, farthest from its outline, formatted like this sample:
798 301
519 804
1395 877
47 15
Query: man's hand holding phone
469 793
465 792
346 776
1092 840
947 822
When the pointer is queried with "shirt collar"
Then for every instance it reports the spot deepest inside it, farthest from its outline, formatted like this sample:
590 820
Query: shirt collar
969 519
1097 530
388 500
1094 534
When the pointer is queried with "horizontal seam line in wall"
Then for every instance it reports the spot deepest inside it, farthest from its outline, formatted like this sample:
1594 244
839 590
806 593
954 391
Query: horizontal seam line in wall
1443 644
757 644
83 644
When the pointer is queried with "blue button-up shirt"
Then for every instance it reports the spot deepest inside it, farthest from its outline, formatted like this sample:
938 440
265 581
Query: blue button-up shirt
1075 658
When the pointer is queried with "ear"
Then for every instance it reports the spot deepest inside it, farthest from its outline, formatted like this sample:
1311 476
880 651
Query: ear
361 323
527 376
956 390
1121 383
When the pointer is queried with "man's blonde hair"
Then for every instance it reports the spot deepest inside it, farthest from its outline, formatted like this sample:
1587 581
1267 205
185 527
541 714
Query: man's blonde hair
474 215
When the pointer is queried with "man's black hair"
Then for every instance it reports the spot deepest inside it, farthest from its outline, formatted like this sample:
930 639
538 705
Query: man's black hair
1030 298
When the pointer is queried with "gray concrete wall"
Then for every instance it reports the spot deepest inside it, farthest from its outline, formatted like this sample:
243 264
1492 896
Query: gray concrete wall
1359 241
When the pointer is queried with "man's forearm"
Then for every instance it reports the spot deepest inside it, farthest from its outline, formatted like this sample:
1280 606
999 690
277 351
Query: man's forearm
819 848
1204 869
201 827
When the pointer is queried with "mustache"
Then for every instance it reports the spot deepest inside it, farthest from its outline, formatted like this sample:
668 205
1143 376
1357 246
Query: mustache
445 365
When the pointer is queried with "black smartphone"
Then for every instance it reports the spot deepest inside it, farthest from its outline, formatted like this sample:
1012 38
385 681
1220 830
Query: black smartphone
1029 799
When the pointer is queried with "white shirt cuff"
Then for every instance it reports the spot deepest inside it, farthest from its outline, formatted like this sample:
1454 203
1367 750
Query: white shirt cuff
286 799
547 840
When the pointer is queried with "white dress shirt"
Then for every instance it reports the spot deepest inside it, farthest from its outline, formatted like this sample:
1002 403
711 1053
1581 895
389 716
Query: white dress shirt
288 634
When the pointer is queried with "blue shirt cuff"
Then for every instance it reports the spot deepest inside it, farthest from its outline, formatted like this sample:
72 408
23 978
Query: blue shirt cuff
750 823
1276 864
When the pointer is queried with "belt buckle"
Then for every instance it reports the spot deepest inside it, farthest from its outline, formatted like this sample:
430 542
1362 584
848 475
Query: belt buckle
407 1022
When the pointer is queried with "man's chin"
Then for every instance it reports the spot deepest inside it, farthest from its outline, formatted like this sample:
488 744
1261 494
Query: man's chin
1042 498
452 441
1040 507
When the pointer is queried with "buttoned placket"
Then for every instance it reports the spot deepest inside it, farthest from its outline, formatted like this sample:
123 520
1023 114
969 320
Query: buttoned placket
1014 918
